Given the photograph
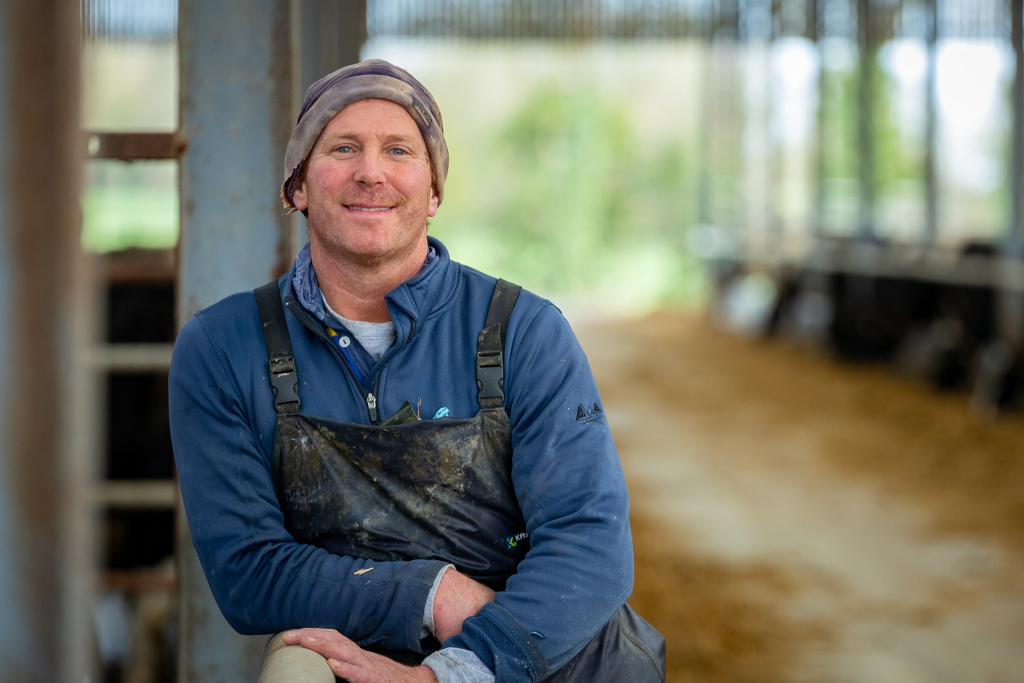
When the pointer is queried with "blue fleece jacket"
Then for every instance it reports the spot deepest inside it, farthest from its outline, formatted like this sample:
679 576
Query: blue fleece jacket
566 472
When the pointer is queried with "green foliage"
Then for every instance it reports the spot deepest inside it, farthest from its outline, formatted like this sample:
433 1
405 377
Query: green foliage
839 102
565 198
130 205
899 154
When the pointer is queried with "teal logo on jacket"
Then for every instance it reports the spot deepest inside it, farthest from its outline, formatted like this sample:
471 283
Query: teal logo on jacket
512 541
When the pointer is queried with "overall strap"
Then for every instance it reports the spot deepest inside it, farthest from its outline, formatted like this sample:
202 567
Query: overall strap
490 369
284 380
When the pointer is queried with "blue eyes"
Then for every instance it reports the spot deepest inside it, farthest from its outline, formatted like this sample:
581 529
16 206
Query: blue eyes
346 149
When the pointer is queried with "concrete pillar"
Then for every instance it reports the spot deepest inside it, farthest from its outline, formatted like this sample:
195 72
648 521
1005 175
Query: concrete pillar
931 220
1011 302
46 530
866 119
814 34
1013 244
244 68
236 116
326 36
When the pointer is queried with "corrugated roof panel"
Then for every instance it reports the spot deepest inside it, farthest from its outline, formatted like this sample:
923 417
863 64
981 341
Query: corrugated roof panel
134 20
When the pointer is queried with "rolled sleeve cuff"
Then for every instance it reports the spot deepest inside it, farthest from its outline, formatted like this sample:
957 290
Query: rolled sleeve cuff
421 580
428 607
454 665
502 644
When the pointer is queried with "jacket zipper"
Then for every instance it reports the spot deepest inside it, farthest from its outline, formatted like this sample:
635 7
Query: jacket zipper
371 397
371 401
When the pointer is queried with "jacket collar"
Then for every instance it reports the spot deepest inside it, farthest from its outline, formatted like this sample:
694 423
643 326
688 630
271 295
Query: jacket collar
409 303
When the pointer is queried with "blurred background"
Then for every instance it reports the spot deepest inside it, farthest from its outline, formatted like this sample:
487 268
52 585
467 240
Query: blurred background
789 234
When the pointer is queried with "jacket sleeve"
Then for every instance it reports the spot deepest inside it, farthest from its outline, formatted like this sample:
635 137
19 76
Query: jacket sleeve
263 580
571 489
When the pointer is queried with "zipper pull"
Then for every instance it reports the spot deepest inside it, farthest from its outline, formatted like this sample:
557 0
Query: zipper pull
371 404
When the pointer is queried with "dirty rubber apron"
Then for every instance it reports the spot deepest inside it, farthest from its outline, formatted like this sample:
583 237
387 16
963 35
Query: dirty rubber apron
431 489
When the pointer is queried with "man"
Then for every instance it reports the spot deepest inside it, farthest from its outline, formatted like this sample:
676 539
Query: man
481 531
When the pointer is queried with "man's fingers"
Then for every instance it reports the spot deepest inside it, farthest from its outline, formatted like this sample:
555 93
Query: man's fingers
326 642
350 672
346 651
351 663
292 637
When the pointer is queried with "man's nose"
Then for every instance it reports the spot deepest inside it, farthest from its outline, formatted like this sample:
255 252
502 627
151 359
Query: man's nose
370 170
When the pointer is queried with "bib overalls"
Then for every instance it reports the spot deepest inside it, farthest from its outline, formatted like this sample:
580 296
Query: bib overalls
436 489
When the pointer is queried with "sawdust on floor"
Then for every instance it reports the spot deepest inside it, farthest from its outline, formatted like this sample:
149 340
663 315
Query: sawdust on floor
726 620
722 623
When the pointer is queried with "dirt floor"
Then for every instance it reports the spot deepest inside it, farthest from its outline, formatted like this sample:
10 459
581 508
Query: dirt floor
798 518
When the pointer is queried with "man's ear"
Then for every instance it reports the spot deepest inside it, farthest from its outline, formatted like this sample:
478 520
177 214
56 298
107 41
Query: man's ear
299 197
434 201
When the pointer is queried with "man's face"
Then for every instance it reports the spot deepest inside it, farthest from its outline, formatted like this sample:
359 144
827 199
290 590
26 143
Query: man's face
368 188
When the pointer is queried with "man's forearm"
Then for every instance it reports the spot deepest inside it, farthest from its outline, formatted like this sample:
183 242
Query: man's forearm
457 598
453 599
428 607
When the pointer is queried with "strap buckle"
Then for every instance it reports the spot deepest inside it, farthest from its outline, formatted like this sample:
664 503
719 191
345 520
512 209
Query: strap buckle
490 370
284 382
489 380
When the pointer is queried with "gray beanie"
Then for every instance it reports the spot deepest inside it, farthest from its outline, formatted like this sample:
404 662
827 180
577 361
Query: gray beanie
372 79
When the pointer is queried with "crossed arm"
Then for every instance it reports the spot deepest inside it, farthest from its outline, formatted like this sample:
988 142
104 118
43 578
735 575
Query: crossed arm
568 481
458 597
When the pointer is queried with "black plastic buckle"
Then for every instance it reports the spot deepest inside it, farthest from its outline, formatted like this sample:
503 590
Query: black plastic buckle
490 377
284 381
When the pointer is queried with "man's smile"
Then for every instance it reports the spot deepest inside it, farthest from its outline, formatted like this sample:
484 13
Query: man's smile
368 209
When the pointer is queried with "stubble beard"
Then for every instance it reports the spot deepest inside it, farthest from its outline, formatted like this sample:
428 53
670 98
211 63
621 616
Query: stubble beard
331 239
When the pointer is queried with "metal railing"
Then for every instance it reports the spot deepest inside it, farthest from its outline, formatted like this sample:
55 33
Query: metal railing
152 20
581 20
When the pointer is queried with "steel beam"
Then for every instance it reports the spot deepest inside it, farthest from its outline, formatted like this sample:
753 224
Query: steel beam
814 34
1013 244
133 146
703 198
236 115
145 358
900 261
931 197
866 119
46 532
136 494
329 35
1011 304
326 36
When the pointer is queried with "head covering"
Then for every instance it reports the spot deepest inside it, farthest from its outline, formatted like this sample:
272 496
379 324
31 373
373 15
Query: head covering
372 79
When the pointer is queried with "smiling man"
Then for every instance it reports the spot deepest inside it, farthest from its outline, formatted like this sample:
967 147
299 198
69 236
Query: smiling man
399 464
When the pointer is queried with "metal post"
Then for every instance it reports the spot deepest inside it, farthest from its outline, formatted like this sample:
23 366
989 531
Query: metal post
330 35
775 162
931 221
865 120
814 34
236 116
326 35
704 147
1013 245
46 531
1011 303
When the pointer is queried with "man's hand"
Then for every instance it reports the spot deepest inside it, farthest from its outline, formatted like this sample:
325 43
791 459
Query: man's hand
352 663
458 598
